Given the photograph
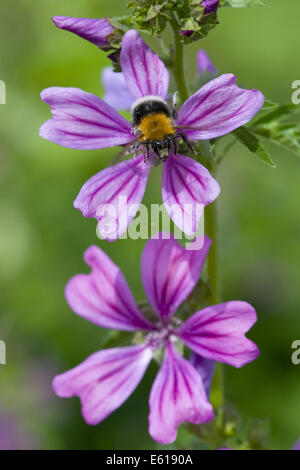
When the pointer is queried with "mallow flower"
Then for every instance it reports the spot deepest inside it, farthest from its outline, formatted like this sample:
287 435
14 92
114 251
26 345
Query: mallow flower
106 379
81 120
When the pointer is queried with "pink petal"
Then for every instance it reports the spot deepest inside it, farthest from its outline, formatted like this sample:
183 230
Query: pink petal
217 333
105 380
83 121
113 196
177 396
103 296
170 272
117 93
187 187
218 108
93 30
143 70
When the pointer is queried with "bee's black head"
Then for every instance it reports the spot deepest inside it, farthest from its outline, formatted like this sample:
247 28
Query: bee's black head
146 106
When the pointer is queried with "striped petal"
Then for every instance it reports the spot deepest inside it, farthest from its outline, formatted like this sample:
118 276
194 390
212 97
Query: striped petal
177 396
105 380
170 272
218 108
103 296
83 121
93 30
218 333
143 70
113 196
187 187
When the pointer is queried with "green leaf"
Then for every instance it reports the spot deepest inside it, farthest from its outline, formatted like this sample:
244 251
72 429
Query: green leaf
276 112
285 134
243 3
268 105
153 12
201 27
246 137
151 15
121 22
270 124
190 25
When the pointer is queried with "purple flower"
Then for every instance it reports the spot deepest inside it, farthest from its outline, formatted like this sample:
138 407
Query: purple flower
210 5
106 379
12 434
186 32
116 91
204 63
297 445
93 30
83 121
205 368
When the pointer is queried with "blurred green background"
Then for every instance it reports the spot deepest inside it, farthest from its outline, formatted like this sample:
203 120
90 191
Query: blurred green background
42 237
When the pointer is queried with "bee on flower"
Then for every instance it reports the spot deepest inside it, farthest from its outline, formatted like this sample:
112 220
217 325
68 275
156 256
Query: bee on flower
81 120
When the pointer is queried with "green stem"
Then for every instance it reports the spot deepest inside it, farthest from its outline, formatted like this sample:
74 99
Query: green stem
211 224
178 65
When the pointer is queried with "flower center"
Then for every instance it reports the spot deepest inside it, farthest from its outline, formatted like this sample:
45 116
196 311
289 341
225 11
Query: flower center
157 339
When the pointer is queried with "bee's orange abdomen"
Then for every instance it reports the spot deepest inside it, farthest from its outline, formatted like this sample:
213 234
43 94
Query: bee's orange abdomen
155 126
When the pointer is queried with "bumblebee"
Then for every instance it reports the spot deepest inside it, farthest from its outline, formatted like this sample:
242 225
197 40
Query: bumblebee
153 124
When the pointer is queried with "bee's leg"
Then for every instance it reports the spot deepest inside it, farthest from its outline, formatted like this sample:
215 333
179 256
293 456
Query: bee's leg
168 145
174 110
158 152
135 148
175 146
186 141
155 147
165 148
132 146
147 156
